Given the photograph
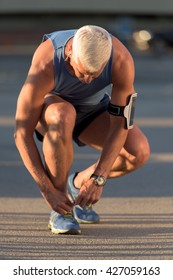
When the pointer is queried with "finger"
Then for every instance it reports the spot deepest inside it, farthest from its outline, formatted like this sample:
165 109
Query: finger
60 211
82 194
86 201
70 203
63 208
79 200
95 201
86 195
66 200
91 201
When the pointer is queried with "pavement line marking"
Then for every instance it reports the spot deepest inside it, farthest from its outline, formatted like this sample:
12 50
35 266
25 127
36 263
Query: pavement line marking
144 122
154 157
7 163
155 122
161 157
18 49
7 121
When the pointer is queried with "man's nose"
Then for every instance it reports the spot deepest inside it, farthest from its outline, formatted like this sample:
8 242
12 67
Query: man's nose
88 79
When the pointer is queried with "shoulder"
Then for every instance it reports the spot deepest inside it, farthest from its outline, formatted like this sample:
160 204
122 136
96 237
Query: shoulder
43 56
123 63
41 71
120 51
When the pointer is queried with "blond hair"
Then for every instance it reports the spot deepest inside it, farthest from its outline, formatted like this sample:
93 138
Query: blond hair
92 45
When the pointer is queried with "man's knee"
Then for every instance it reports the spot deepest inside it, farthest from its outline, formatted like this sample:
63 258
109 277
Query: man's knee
143 153
60 119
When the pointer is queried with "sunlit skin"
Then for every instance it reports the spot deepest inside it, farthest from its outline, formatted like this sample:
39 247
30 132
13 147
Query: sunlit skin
122 151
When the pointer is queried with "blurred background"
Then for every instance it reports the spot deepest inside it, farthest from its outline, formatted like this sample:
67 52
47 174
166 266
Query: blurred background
136 209
142 25
146 28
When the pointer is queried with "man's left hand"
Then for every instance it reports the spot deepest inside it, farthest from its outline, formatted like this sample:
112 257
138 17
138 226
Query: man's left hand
89 193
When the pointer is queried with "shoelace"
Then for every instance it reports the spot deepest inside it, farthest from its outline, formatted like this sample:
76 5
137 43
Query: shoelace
68 216
88 208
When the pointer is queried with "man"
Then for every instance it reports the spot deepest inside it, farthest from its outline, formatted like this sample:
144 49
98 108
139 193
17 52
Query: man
65 97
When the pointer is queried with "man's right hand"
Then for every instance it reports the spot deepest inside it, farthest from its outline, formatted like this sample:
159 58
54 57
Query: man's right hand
58 201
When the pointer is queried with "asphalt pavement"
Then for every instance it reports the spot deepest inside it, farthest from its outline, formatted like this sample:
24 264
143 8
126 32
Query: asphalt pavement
136 210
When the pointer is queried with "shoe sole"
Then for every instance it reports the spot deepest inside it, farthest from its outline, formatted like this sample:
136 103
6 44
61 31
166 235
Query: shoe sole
85 221
61 231
80 221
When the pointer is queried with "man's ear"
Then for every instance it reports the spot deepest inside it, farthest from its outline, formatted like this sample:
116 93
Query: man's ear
70 48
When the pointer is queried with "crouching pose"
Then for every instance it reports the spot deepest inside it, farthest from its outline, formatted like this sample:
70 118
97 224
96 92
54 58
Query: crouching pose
80 87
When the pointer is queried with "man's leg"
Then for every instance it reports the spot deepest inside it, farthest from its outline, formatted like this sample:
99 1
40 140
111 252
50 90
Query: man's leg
134 154
56 125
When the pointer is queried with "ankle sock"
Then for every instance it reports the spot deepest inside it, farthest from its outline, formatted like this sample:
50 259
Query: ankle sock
74 189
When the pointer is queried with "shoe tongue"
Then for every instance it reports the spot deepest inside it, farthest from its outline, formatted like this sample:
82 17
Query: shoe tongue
87 208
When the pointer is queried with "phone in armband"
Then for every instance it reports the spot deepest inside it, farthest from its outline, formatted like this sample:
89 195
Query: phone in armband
129 110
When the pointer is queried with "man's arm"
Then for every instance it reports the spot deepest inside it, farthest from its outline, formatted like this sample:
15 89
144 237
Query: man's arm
39 82
123 80
123 87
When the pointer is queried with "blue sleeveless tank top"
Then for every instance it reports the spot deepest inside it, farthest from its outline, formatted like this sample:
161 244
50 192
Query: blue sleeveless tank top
69 87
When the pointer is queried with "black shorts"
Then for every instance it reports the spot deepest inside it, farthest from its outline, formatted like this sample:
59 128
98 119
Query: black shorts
85 114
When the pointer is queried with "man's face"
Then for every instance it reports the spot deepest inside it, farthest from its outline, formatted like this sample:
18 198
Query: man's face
82 74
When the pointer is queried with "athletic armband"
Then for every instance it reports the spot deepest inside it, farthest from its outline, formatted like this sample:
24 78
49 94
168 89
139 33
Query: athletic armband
125 111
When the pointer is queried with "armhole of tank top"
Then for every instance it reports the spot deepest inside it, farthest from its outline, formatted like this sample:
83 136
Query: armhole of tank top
111 64
56 65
